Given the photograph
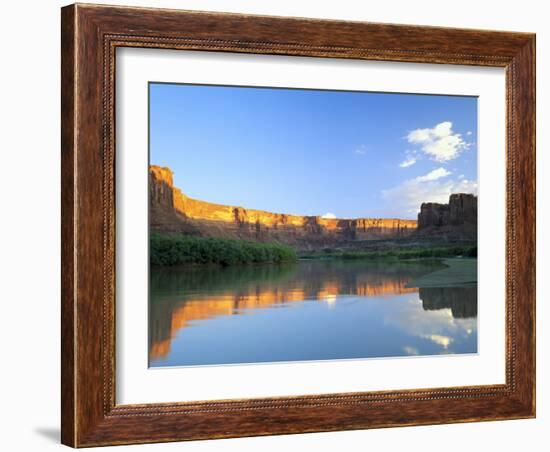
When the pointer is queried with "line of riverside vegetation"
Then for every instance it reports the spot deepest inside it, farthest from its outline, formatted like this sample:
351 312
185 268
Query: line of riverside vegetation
399 253
168 250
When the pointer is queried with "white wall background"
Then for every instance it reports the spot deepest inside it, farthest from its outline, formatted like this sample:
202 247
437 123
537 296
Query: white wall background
30 228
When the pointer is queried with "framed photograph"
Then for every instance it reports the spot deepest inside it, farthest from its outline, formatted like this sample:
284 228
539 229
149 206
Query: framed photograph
281 225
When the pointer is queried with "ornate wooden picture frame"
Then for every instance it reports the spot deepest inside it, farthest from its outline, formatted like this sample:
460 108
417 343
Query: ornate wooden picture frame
90 37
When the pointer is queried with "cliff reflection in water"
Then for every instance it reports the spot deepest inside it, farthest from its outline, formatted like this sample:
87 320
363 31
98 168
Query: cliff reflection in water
339 309
462 301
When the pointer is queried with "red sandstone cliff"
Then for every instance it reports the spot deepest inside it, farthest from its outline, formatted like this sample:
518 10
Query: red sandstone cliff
172 211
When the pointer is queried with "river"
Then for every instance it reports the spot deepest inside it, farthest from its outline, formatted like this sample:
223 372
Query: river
309 310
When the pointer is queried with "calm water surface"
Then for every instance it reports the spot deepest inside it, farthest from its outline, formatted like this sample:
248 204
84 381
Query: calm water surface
310 310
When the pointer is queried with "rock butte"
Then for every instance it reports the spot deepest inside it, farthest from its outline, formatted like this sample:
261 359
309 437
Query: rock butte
457 219
172 211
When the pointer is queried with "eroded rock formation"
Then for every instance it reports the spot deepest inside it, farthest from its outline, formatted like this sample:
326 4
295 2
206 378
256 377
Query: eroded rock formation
458 218
173 211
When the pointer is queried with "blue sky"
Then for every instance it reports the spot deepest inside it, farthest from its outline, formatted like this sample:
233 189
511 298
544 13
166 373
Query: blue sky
312 152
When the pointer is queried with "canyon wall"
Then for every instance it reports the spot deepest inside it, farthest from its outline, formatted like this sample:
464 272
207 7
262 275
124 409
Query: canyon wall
458 218
172 211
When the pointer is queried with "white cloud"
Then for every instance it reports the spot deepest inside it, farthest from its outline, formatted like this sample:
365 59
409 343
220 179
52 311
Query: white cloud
411 157
433 175
439 142
361 150
405 199
329 216
443 341
411 350
469 132
438 326
465 186
409 161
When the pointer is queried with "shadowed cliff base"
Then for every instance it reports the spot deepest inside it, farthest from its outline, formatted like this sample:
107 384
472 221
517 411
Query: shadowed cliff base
438 225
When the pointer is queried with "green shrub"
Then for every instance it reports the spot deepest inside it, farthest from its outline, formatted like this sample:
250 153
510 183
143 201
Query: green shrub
166 250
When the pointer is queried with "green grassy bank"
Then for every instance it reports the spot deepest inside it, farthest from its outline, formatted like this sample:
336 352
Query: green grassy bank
169 250
395 253
456 273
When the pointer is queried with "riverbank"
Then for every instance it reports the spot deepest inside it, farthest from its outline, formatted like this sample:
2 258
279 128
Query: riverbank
394 253
169 250
457 273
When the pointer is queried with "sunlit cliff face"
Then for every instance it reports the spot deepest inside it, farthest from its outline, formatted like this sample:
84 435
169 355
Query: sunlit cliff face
164 196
